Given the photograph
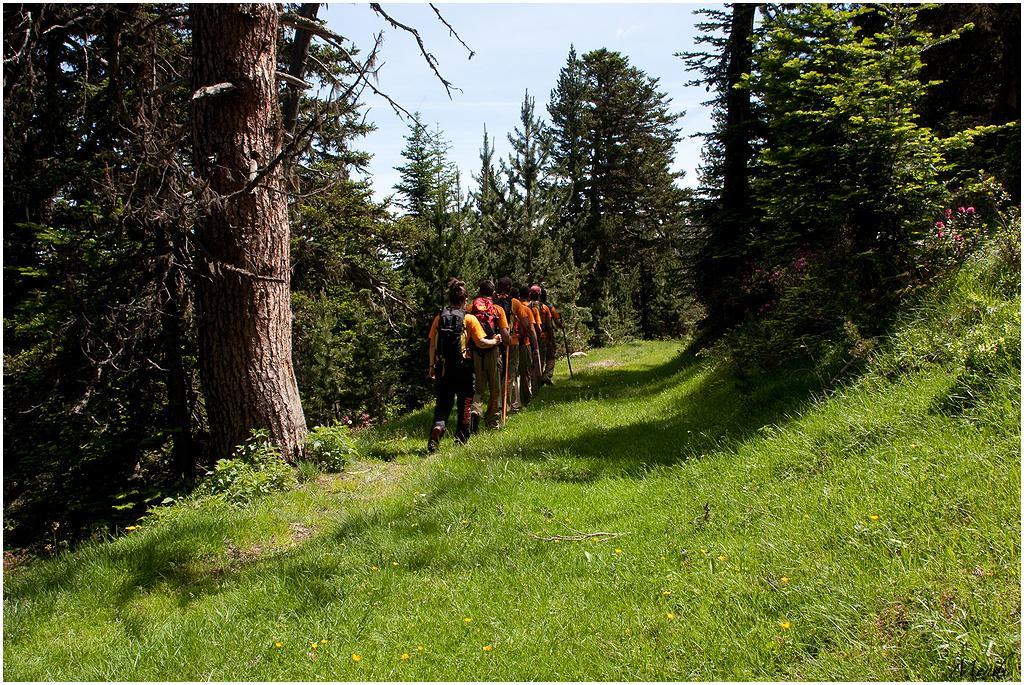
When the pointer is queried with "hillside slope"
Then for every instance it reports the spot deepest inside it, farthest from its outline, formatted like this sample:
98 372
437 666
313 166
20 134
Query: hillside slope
769 532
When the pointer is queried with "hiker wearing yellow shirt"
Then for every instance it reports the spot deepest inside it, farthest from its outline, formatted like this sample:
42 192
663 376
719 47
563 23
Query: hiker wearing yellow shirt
453 334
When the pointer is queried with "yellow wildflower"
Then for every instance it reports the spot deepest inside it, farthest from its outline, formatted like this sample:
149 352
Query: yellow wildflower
405 656
374 568
130 528
914 445
315 645
618 550
394 563
873 517
666 593
278 645
488 648
419 648
323 642
670 616
467 620
721 557
465 522
356 658
784 580
785 625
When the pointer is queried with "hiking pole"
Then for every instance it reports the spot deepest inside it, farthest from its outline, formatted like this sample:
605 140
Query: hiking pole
568 357
504 402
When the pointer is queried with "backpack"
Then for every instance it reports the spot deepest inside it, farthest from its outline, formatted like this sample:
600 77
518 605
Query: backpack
536 306
506 304
451 346
545 312
484 311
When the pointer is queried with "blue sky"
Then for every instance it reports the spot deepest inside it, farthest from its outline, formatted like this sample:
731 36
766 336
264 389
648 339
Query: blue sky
518 47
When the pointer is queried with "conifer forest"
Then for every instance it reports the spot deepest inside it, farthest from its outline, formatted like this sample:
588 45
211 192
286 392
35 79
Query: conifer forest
217 401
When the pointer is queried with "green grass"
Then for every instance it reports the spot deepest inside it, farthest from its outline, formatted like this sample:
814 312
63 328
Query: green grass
879 521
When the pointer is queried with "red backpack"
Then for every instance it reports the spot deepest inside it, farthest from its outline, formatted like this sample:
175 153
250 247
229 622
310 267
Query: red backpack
487 314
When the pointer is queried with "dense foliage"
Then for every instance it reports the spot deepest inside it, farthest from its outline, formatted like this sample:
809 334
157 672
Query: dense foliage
848 187
859 153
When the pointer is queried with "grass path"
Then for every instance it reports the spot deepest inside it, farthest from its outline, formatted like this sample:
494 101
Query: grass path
762 533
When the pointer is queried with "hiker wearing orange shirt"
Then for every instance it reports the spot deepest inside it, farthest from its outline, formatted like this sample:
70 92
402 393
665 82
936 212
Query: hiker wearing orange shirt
528 344
453 334
538 324
510 375
487 362
554 323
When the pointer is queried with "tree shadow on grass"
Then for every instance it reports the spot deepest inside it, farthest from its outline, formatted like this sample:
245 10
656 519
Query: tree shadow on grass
717 411
715 415
590 382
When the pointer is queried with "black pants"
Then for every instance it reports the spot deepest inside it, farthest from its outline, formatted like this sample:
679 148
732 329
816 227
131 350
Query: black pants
455 387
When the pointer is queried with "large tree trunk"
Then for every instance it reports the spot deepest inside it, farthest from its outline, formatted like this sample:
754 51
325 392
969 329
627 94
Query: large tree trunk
720 266
243 284
738 151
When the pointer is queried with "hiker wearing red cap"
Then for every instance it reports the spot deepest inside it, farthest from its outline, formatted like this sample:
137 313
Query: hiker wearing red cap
486 361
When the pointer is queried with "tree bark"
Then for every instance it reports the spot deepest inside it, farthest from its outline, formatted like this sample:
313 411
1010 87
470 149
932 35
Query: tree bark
737 148
243 283
297 66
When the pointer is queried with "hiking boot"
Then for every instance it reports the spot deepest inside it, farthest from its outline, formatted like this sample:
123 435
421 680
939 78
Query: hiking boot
435 439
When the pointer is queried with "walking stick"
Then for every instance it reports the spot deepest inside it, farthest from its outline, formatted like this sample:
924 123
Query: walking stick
568 357
504 403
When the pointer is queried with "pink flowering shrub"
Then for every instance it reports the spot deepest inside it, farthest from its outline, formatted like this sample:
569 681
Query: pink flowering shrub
953 237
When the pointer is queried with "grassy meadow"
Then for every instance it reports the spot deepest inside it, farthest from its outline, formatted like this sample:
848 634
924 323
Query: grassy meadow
783 528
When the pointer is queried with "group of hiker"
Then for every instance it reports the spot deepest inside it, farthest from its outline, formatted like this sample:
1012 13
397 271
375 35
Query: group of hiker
502 345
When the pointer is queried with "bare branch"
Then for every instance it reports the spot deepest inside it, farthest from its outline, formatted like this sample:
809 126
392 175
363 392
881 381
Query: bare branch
292 80
431 61
600 537
399 110
216 89
451 31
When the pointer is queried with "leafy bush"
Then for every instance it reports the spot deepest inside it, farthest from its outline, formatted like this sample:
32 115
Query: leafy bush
330 447
254 470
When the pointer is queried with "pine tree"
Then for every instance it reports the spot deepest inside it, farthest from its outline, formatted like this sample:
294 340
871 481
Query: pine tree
626 134
724 212
568 111
245 319
531 202
492 237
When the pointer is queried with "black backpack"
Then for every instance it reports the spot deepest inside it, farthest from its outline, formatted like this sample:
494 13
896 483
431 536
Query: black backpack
449 335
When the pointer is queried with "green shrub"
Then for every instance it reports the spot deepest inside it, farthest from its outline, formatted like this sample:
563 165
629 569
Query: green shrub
254 470
330 447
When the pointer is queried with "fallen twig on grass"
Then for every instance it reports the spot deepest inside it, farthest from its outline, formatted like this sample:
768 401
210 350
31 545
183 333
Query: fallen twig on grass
600 537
